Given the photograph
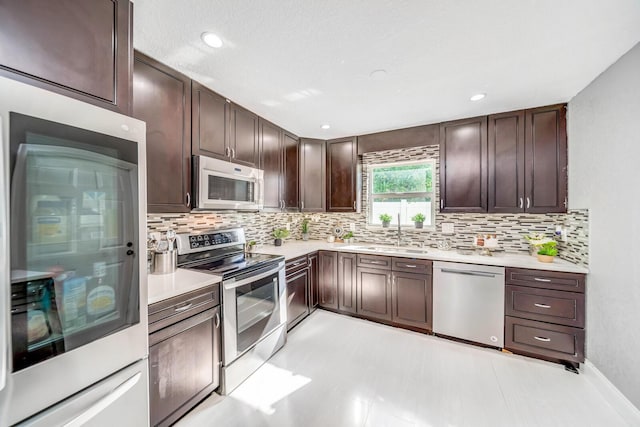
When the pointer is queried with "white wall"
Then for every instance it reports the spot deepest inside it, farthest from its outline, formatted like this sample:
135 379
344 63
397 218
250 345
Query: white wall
604 176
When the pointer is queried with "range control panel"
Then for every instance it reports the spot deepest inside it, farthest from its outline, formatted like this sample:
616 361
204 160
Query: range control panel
212 239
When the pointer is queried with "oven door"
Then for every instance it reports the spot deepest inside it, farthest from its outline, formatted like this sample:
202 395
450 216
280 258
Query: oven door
254 305
225 185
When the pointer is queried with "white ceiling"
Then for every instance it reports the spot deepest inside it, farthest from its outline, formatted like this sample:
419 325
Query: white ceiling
303 63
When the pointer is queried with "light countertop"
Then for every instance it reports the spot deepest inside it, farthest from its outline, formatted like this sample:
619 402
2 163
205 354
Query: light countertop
295 248
164 286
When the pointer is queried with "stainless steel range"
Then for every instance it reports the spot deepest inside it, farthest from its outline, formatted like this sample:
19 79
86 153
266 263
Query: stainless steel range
253 299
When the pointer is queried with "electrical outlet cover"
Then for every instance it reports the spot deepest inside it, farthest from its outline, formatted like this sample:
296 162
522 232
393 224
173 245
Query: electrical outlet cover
352 226
448 228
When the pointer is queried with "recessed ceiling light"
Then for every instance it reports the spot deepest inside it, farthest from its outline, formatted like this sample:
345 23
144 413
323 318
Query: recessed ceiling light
478 96
325 126
211 39
378 74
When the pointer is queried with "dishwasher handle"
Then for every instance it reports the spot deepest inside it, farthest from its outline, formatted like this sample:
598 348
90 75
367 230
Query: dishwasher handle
468 272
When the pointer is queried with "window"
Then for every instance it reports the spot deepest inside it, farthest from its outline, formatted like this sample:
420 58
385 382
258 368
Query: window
405 188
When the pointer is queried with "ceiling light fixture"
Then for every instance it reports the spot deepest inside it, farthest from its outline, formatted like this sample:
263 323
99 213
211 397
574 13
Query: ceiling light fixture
326 127
478 96
211 39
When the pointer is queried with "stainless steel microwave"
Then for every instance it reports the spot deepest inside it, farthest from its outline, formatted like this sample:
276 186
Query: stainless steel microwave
222 185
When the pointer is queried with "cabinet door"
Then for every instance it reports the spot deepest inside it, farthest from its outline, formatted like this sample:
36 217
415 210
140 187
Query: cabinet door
328 279
271 148
313 280
77 48
506 162
313 170
374 293
209 123
411 296
463 165
297 297
243 135
347 282
546 159
342 162
290 172
162 98
183 366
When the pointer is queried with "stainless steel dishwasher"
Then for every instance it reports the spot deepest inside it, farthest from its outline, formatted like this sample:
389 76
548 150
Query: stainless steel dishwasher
468 302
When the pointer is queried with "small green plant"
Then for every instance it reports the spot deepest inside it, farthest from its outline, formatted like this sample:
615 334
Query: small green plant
280 233
305 226
418 218
548 248
385 217
348 235
252 243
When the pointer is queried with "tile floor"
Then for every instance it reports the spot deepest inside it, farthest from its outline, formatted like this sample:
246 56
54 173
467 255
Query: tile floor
340 371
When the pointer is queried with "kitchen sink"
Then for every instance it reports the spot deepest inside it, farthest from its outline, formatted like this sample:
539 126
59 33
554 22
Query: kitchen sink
387 250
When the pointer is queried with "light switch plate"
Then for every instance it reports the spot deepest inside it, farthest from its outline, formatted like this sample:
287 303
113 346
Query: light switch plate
352 226
448 228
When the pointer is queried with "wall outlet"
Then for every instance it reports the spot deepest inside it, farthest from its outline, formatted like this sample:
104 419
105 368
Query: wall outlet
352 226
287 226
448 228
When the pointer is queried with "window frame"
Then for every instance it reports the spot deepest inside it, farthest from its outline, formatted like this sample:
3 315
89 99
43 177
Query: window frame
370 194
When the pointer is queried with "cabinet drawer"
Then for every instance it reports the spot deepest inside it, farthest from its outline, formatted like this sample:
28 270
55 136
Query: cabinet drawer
172 310
544 339
411 265
374 261
572 282
296 264
564 308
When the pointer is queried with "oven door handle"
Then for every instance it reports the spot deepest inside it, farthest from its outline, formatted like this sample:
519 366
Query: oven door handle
232 283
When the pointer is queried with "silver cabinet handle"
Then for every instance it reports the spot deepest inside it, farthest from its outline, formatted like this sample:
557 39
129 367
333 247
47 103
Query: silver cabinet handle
376 262
441 204
188 200
354 205
543 339
227 152
542 305
296 264
302 204
233 153
538 279
410 265
528 203
521 203
183 308
104 402
216 321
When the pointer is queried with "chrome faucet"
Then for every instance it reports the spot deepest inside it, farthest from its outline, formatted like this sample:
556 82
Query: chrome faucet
399 232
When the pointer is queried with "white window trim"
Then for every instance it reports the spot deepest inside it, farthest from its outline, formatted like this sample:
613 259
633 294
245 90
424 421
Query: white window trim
370 225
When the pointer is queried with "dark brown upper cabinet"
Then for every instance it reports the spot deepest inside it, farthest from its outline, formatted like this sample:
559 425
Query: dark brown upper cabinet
78 48
342 175
528 161
313 172
546 159
271 163
463 165
506 162
162 98
222 129
243 135
290 171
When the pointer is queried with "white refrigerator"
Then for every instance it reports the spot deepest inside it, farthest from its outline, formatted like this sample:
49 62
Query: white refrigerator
73 312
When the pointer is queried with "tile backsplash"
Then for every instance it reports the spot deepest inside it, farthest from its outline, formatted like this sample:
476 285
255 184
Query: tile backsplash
510 228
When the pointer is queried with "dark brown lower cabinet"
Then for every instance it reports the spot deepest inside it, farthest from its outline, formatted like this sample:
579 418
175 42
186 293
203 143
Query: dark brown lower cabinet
347 282
374 293
313 281
328 279
184 353
411 299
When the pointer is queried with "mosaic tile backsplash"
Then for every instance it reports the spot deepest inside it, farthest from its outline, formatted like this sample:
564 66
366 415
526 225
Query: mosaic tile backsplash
510 228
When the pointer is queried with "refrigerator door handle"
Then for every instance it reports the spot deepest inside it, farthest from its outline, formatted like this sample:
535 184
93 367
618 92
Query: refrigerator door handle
4 265
104 402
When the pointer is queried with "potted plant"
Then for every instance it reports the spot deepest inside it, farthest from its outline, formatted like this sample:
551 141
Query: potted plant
418 220
536 240
250 246
547 251
279 234
305 229
348 237
386 220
